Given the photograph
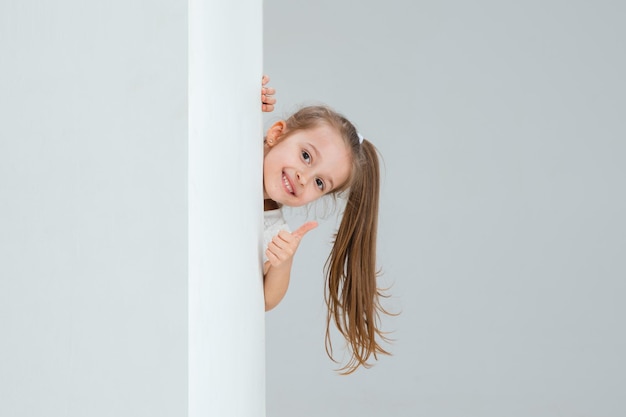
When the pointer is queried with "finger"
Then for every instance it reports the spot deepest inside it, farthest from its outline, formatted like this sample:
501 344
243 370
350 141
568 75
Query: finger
271 258
284 243
268 91
285 239
267 107
279 254
273 252
268 100
277 244
304 229
265 79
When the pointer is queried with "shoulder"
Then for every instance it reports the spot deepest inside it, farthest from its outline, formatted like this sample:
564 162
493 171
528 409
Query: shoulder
274 219
273 223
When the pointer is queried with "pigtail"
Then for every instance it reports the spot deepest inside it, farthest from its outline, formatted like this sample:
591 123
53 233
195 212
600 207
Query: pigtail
352 297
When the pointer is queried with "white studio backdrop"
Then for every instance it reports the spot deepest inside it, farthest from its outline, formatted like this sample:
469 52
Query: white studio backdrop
130 209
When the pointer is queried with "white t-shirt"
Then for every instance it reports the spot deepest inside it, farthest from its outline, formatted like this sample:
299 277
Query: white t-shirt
273 222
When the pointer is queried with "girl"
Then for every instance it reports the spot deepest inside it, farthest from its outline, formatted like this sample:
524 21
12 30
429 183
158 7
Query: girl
313 153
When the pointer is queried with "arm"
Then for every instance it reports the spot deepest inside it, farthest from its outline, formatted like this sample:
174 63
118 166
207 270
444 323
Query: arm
267 95
277 269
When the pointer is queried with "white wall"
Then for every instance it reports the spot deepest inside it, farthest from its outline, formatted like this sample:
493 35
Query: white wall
226 306
502 220
94 212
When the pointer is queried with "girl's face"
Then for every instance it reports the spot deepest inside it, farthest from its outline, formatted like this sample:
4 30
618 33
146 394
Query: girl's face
304 166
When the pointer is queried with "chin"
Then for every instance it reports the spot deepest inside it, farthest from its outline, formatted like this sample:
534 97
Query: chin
276 197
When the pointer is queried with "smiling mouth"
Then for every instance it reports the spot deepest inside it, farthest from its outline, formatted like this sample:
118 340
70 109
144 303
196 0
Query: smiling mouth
288 184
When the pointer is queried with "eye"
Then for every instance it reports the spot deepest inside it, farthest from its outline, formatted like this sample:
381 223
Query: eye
319 183
306 157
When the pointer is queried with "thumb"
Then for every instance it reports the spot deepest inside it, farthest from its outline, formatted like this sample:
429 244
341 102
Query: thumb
304 229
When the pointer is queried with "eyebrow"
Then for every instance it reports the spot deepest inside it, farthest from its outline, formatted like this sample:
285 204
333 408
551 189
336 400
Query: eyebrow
317 155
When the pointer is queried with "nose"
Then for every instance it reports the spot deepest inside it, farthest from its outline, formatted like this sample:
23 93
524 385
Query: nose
301 178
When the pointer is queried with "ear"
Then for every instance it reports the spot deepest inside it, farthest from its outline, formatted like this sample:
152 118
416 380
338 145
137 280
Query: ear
275 132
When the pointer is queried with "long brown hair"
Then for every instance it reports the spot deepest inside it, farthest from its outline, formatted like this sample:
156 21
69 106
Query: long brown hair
351 294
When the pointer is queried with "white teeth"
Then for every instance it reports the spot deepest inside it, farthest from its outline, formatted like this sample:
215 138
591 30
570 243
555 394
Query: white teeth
287 185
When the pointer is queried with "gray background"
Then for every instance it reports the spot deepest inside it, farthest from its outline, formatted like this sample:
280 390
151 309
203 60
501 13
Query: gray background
93 208
502 223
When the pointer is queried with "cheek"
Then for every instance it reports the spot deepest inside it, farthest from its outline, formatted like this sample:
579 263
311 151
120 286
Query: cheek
275 158
269 163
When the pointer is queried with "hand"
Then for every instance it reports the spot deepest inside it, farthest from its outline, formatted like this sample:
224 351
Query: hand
283 246
267 93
